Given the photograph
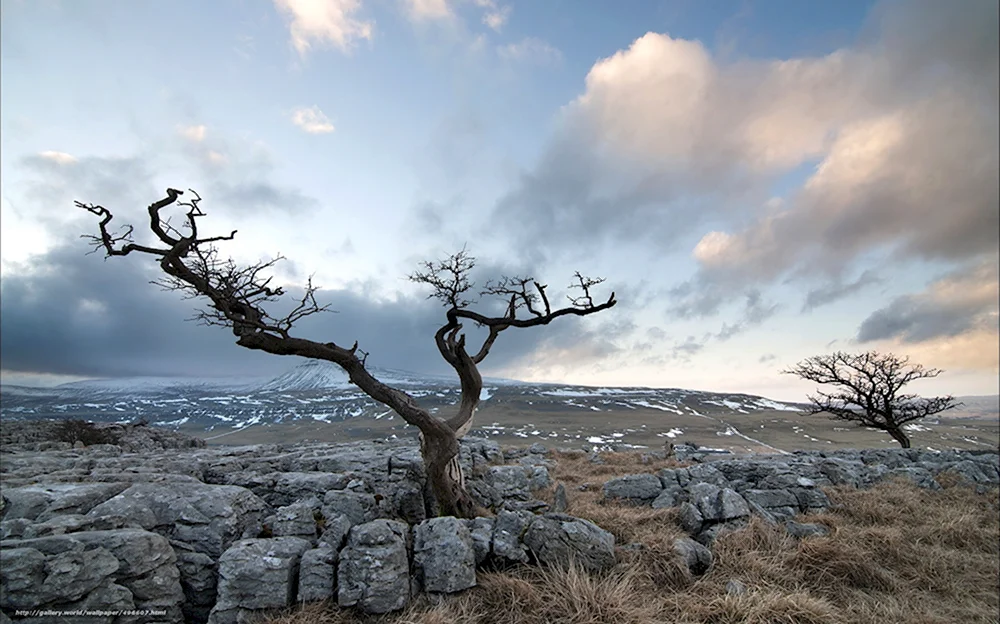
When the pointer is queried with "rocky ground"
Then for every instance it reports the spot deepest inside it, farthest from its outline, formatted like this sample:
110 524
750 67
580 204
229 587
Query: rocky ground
160 529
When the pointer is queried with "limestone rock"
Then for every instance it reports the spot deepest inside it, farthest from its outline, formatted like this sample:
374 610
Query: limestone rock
639 488
317 573
697 557
258 574
444 555
481 532
373 572
556 538
508 531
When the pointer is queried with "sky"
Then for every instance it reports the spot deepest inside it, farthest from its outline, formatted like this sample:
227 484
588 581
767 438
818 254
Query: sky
757 181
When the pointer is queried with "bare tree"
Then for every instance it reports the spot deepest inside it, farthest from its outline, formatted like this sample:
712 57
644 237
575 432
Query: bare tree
869 394
238 294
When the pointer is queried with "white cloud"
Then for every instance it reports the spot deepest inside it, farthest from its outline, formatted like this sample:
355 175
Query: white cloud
531 50
195 134
496 18
312 120
60 158
428 10
324 22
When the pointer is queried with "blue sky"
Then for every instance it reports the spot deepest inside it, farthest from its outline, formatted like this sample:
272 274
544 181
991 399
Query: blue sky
759 182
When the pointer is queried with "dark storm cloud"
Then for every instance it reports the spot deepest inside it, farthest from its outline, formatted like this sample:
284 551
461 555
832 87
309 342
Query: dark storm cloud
78 314
837 290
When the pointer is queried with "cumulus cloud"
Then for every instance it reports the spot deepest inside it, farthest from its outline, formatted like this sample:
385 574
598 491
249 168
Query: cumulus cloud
531 50
897 134
312 120
324 22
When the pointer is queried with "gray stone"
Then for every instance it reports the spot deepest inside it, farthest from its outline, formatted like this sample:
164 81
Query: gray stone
317 573
637 488
511 482
805 529
842 471
538 478
359 507
768 517
13 528
508 531
711 532
295 520
208 517
409 504
78 564
771 498
199 580
669 497
707 473
555 539
481 531
538 448
290 487
22 573
560 502
373 572
443 555
691 519
74 523
696 557
259 574
731 505
810 499
718 504
335 530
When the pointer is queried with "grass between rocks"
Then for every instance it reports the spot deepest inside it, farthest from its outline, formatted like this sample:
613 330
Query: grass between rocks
895 554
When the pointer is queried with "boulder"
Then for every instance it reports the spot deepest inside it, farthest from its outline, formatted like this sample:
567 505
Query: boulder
805 529
637 488
556 539
481 531
373 572
560 502
317 573
258 574
508 531
295 520
208 517
444 556
359 507
512 482
696 557
99 568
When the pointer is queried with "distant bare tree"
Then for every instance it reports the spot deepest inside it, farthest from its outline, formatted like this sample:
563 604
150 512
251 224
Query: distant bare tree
238 294
870 386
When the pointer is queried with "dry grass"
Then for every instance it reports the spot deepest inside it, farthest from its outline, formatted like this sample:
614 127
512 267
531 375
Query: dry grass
895 553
